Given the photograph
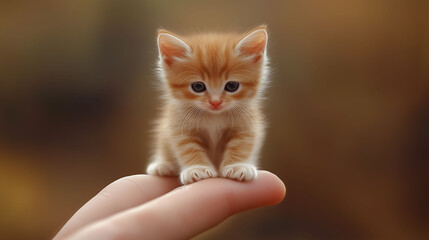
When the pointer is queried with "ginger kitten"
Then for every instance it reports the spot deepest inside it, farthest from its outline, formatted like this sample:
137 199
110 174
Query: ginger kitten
211 123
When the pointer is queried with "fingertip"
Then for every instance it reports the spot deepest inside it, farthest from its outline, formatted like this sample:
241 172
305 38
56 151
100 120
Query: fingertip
274 188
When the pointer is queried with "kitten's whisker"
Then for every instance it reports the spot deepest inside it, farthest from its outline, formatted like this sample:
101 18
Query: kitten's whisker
244 117
200 114
191 118
185 117
238 116
247 115
250 113
182 122
195 119
229 119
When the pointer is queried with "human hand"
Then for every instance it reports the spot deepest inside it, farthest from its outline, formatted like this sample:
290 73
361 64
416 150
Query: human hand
144 207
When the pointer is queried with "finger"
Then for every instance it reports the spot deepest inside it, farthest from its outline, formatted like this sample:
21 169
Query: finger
122 194
189 210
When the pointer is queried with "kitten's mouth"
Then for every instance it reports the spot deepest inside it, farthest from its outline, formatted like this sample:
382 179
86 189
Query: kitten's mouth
216 109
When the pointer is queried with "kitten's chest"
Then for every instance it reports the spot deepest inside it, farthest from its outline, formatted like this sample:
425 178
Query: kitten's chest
214 126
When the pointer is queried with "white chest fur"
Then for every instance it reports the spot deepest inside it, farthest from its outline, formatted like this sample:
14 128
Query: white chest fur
215 124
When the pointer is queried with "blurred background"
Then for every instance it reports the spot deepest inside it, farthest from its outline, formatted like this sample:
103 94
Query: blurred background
348 110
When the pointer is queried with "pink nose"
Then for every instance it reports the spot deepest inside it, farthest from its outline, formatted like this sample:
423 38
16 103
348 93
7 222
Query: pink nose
215 103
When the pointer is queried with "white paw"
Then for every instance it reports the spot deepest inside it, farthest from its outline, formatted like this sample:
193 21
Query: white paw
240 171
197 173
162 169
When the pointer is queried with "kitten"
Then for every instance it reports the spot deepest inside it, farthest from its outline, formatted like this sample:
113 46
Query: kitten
211 123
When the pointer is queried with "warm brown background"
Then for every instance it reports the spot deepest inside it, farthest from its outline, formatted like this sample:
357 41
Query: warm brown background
348 110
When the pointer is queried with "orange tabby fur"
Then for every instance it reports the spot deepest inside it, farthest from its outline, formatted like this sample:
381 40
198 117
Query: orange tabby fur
215 132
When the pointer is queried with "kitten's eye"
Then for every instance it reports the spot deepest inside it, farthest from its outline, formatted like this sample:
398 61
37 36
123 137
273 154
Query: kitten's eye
198 87
231 86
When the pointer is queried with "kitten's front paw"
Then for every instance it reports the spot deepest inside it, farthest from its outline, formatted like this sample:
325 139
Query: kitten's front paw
197 173
239 171
162 169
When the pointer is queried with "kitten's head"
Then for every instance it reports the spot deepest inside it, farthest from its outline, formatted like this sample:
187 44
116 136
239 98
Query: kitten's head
214 72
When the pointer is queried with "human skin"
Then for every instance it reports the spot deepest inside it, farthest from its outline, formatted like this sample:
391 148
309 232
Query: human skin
151 207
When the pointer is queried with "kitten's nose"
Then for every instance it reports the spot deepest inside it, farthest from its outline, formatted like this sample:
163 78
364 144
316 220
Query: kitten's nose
215 103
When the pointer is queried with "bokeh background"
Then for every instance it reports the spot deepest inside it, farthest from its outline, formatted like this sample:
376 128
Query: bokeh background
348 110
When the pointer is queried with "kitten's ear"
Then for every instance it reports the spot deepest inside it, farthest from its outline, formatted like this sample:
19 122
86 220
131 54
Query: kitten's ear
254 43
171 48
